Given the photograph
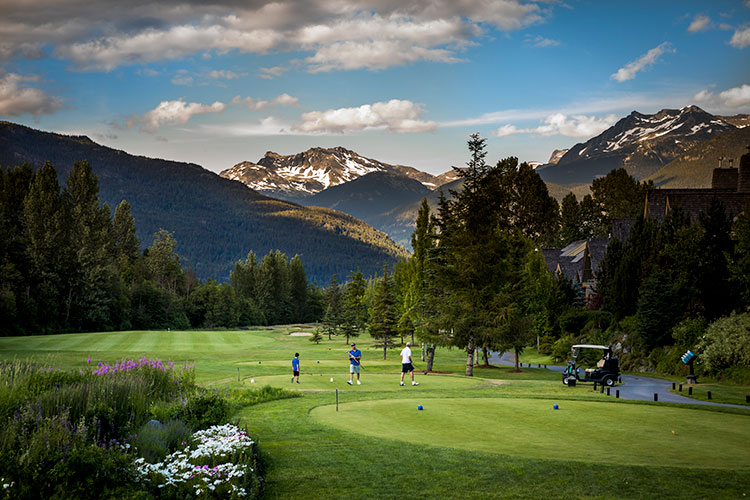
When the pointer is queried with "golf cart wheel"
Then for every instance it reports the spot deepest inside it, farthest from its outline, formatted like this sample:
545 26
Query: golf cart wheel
609 381
565 380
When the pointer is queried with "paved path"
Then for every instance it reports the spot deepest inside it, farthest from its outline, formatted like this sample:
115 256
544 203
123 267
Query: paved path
633 386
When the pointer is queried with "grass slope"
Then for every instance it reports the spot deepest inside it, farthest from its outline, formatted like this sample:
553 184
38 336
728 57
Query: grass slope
694 169
493 436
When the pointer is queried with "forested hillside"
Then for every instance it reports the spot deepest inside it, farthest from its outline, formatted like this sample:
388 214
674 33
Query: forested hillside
215 221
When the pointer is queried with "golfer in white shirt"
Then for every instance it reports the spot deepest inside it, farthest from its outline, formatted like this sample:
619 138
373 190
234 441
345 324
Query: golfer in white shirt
407 365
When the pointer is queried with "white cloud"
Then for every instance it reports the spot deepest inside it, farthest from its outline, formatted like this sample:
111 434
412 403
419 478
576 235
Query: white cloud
16 98
506 130
730 99
259 104
374 55
741 38
173 112
736 97
266 127
106 34
629 71
700 23
399 116
174 43
541 42
579 126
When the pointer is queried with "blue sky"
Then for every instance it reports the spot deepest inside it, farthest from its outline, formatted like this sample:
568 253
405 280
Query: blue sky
402 82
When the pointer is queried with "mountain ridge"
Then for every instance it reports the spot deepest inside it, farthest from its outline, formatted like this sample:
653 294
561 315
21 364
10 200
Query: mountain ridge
638 142
216 221
297 176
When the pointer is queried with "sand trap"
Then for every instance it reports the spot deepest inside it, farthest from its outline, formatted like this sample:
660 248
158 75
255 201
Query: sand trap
300 334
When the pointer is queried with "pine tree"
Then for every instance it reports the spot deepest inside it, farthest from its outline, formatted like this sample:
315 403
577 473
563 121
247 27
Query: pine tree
333 312
47 222
383 316
94 285
354 311
570 220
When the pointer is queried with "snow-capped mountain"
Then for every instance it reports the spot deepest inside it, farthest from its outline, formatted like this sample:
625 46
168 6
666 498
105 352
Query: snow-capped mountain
640 143
304 174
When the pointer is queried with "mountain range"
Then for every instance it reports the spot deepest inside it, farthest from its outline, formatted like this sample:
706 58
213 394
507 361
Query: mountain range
346 203
640 143
302 175
216 222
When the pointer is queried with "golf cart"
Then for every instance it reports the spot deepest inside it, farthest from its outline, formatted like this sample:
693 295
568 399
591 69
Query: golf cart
606 371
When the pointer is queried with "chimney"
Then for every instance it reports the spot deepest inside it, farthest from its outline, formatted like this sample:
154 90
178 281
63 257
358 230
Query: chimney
724 178
743 185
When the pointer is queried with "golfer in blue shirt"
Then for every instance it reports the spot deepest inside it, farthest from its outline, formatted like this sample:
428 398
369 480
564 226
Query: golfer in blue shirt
295 367
355 355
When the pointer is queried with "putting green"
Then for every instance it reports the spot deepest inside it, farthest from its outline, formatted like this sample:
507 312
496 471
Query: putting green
370 382
614 433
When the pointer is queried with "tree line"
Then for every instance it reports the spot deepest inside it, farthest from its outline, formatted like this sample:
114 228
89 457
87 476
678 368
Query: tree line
68 264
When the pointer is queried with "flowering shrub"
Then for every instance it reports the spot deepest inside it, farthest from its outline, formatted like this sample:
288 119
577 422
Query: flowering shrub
221 462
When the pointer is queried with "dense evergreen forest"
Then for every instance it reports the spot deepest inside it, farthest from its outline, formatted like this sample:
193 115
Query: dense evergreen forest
67 264
216 221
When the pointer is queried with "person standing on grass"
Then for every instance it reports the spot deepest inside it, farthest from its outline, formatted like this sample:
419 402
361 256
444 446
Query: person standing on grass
407 364
355 356
295 367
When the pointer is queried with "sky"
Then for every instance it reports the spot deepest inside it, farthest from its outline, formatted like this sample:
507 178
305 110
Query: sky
217 83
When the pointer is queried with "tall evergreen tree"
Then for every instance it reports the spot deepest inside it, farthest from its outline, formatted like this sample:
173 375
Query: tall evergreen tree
383 323
164 264
274 293
94 285
570 220
354 313
333 308
47 221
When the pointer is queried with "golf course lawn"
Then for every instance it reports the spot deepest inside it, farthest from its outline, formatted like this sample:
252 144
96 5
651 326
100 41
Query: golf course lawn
612 433
494 435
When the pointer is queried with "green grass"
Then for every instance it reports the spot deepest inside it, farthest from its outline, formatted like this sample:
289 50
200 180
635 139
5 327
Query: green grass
610 433
720 393
494 435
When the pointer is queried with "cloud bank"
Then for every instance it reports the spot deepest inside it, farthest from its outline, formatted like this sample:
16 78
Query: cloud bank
370 34
18 98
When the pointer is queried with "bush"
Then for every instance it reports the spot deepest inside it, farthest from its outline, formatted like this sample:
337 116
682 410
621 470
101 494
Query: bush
204 410
561 348
688 333
726 343
155 440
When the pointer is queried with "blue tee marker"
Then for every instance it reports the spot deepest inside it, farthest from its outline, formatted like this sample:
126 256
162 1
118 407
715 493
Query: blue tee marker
419 407
555 407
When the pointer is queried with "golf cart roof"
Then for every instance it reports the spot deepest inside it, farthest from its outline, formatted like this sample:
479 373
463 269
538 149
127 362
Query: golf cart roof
590 346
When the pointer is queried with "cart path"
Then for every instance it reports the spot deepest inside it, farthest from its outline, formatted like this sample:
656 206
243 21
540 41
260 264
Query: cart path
633 386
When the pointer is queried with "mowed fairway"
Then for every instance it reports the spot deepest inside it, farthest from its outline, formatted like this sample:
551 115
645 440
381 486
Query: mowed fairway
615 433
494 435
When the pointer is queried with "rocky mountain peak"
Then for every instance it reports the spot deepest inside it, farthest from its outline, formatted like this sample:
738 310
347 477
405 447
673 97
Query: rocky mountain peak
639 142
